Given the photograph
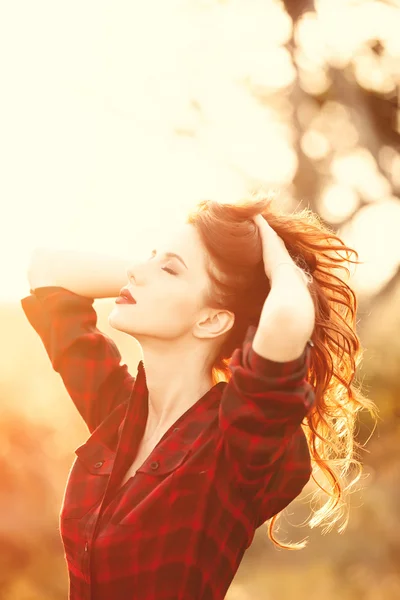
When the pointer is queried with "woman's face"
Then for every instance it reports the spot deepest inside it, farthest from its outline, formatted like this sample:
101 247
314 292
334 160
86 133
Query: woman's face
169 294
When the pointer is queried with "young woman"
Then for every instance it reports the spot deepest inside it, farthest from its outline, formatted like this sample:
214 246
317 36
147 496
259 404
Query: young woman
244 391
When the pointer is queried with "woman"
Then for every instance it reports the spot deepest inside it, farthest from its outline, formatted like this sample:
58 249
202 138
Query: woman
231 406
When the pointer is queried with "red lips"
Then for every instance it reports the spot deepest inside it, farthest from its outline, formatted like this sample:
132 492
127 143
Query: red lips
124 293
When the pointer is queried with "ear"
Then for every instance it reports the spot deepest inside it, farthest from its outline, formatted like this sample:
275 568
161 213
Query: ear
214 324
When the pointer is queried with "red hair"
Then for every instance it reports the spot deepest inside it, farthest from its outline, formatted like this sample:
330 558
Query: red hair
239 284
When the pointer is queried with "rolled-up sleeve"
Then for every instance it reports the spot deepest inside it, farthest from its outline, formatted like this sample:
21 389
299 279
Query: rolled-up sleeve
260 415
87 359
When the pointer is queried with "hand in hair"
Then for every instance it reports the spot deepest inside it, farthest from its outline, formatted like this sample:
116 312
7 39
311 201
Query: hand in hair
274 249
287 318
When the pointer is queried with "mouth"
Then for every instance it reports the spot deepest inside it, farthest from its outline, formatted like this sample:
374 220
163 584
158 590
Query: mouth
125 297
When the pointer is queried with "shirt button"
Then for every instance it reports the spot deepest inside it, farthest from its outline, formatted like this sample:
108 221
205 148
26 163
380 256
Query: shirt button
154 465
86 547
98 464
176 429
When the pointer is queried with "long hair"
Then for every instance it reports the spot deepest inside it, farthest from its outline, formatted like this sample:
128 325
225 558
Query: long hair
239 284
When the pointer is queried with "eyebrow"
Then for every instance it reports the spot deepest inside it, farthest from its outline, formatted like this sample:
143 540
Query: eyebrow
173 255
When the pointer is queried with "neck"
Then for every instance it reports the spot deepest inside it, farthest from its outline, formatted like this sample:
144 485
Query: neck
175 381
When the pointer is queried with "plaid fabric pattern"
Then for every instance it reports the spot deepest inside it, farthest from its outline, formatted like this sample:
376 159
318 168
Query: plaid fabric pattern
177 529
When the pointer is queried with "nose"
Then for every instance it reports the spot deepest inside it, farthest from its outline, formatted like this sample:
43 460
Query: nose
136 273
131 275
139 271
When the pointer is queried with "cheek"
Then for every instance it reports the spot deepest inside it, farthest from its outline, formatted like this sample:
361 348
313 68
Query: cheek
179 311
187 303
166 309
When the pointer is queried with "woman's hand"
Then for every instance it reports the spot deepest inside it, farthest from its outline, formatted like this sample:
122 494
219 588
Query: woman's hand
274 249
289 301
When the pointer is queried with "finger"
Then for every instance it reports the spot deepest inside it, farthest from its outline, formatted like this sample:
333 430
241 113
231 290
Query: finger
264 226
263 223
259 220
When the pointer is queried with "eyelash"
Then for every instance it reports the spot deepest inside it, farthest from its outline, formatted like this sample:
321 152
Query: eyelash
171 271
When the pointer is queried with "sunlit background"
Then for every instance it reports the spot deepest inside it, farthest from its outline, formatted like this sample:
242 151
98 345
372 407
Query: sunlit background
116 117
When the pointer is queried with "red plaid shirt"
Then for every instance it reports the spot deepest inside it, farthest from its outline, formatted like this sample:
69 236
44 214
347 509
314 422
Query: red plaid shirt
178 529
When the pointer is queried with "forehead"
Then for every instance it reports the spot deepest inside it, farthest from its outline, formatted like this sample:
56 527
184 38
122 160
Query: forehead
184 240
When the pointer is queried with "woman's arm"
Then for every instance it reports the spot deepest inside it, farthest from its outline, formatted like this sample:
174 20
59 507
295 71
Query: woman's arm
89 274
88 361
268 396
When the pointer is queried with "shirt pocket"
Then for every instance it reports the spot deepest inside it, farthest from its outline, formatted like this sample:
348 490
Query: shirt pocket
87 480
161 484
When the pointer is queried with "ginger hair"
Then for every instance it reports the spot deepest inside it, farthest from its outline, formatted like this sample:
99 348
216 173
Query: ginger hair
239 283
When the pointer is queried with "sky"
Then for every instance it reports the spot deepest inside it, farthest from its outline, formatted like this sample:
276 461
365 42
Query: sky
118 117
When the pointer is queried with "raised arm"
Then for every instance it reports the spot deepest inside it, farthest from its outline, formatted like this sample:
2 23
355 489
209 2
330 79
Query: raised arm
89 274
87 359
268 396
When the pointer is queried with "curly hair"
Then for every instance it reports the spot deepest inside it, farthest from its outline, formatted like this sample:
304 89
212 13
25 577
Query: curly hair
239 284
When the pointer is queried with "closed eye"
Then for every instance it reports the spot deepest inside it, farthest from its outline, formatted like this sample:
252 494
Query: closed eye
170 271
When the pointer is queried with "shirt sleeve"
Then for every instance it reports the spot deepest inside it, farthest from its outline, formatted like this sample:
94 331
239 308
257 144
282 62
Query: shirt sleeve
291 473
87 359
260 415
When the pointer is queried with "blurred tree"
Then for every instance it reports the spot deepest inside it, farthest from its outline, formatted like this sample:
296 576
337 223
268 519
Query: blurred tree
370 101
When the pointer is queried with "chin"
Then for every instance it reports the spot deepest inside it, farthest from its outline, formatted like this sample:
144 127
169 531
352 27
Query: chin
117 322
113 320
